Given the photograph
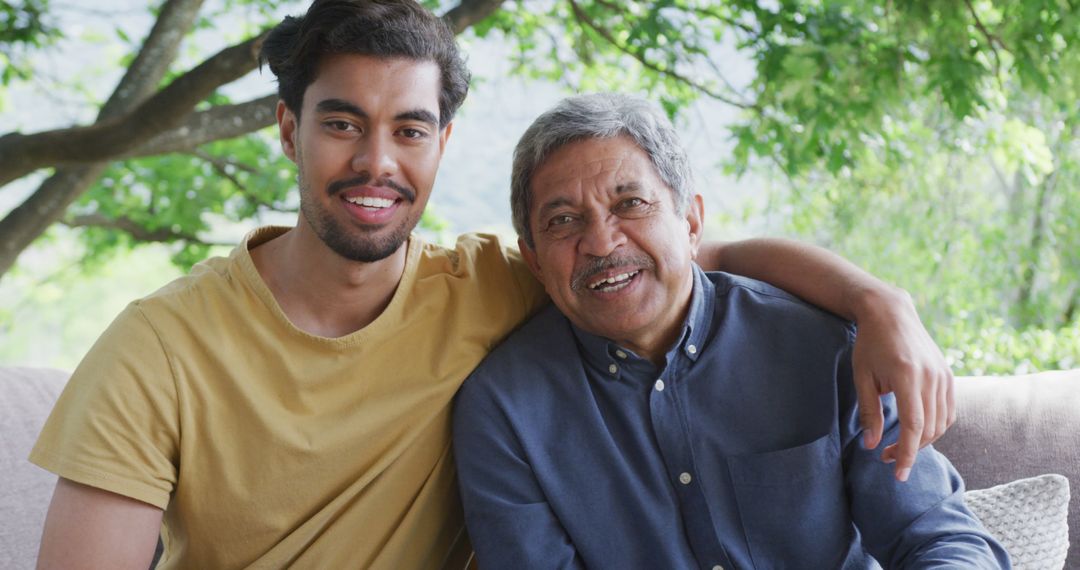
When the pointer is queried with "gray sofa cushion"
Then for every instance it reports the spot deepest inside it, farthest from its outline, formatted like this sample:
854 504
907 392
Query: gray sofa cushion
26 397
1014 427
1029 517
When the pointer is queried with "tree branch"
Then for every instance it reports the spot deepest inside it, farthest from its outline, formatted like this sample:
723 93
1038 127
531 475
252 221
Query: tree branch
132 228
219 122
469 12
711 13
221 166
991 39
154 58
640 58
22 154
21 226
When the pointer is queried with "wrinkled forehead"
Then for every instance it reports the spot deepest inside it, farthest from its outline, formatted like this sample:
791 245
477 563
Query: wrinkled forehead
598 171
602 163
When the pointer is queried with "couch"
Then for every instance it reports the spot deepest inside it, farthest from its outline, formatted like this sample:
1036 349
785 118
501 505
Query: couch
1009 429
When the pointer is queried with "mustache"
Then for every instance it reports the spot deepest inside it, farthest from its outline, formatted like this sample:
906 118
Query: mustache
365 180
597 265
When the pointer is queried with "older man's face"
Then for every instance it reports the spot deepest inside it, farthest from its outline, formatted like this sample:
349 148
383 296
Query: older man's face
610 248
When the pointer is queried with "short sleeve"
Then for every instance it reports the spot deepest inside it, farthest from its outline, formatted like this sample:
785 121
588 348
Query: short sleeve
532 291
505 285
115 426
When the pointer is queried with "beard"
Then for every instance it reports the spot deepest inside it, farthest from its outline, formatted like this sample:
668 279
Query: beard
350 241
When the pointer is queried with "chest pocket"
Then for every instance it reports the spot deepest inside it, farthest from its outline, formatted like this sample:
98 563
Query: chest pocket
793 507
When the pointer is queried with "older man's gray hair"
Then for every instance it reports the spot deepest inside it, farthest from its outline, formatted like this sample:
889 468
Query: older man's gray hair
598 115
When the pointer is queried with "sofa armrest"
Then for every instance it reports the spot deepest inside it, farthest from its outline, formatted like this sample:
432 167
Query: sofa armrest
1014 427
27 396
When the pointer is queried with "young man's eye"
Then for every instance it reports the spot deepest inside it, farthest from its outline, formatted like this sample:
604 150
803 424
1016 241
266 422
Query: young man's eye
341 126
412 133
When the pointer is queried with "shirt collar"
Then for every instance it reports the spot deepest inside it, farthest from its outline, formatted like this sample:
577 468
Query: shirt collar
605 355
698 319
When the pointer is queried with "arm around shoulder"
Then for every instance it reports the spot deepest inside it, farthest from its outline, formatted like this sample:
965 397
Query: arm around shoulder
88 528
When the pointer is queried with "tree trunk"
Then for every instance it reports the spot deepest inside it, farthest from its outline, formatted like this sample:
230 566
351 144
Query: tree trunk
1025 297
43 208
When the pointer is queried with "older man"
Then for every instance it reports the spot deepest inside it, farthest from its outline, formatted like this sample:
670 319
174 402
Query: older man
658 416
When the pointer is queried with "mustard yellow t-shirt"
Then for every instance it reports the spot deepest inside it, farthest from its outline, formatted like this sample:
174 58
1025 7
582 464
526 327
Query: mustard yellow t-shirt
270 447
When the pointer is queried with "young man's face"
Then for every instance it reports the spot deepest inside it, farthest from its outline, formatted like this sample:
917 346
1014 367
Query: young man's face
367 146
611 249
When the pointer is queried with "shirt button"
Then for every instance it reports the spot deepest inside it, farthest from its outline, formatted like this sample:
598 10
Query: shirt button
613 369
659 385
620 354
685 478
691 349
718 567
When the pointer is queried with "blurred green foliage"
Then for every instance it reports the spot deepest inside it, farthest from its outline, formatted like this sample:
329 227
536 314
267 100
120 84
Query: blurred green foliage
24 26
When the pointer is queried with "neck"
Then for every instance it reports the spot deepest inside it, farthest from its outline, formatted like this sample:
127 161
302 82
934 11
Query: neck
321 292
654 342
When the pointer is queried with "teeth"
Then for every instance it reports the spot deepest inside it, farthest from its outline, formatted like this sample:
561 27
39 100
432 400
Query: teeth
613 280
371 202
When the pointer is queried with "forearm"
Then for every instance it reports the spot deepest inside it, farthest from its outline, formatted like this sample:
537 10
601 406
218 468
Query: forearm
959 551
948 536
922 524
810 272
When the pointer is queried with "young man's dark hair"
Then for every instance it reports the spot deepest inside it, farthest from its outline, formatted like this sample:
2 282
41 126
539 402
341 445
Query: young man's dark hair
380 28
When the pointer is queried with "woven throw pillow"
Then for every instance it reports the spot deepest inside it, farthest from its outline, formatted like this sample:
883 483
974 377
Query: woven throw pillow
1029 517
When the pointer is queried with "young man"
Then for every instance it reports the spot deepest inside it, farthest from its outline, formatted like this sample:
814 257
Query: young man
290 405
658 416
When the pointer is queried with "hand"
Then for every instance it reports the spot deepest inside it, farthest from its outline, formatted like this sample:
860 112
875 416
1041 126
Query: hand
894 353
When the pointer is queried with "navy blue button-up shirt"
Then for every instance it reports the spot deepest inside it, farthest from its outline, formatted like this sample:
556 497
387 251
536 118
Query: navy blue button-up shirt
742 451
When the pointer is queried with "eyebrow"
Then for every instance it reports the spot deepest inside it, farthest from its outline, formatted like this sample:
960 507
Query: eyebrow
343 106
339 106
422 115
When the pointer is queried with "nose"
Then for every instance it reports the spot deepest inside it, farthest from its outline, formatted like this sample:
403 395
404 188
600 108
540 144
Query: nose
602 236
376 156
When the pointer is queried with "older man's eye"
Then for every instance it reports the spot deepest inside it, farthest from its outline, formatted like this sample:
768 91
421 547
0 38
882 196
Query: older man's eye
561 226
632 207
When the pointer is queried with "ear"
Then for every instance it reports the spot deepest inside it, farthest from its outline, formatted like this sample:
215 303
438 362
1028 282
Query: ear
444 136
529 254
695 220
287 130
